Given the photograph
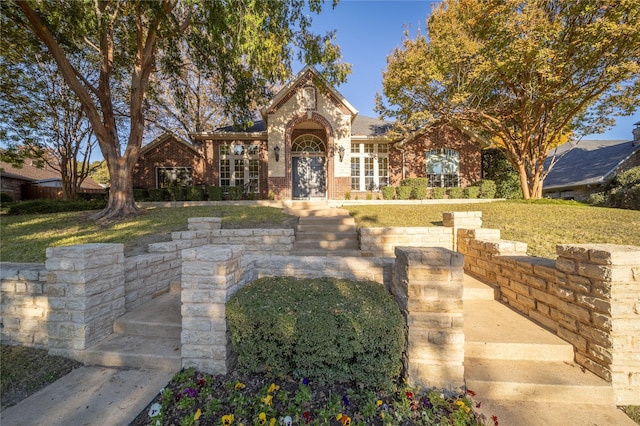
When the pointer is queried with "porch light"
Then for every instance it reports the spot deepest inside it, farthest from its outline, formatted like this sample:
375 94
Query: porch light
276 150
341 152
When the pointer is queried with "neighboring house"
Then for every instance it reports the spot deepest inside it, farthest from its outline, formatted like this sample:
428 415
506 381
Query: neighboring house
29 181
310 144
584 167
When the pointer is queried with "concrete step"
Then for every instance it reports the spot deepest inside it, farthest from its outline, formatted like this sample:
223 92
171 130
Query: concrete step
539 381
492 330
121 350
161 317
475 289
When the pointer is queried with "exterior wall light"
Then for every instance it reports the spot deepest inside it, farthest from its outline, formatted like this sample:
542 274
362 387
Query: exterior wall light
276 150
341 152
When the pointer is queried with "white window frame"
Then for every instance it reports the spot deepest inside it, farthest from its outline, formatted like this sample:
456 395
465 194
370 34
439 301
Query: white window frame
240 158
449 178
374 155
186 170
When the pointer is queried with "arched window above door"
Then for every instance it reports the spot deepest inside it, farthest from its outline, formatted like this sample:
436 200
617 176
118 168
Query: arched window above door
308 143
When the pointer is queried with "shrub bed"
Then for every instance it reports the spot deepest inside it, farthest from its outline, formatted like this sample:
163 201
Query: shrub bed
53 206
327 330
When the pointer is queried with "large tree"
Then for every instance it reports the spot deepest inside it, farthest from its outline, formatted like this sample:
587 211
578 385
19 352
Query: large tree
246 43
42 119
524 75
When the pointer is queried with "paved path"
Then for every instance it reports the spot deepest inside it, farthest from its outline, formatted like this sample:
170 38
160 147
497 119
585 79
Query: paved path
89 396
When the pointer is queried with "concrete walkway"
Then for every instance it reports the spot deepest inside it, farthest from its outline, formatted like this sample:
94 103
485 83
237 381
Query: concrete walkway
89 396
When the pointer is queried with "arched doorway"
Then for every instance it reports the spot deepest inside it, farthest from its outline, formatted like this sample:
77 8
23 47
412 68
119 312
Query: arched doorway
308 164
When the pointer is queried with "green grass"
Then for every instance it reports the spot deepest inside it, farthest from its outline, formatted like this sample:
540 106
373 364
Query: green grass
541 224
25 238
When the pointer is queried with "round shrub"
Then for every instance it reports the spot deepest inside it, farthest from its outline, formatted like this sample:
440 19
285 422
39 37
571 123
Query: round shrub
388 192
438 193
215 193
471 192
404 192
487 188
455 192
419 193
5 198
326 329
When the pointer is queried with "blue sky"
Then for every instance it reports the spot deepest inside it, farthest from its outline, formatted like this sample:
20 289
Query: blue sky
368 30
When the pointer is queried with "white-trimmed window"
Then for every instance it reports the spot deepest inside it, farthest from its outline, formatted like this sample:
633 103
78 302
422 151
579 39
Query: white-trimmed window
239 166
167 177
443 168
369 166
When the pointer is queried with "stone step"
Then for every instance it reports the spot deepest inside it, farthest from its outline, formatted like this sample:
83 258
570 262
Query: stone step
326 253
160 317
537 381
328 221
326 236
317 213
127 351
326 245
494 331
323 228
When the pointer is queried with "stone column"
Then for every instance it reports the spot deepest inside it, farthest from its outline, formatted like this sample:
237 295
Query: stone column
85 289
427 283
457 220
210 276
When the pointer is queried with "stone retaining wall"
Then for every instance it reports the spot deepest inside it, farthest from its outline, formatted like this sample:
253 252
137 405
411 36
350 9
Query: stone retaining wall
23 304
427 283
380 242
29 292
589 296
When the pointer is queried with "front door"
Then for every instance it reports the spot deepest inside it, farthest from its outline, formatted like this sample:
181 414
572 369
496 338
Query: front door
309 177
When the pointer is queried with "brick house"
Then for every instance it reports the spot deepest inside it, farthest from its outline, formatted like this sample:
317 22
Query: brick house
310 144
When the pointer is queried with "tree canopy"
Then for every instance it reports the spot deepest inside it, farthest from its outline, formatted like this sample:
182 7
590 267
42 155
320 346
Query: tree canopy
525 75
247 44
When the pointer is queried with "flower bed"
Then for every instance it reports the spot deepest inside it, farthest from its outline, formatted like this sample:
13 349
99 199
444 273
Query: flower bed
192 398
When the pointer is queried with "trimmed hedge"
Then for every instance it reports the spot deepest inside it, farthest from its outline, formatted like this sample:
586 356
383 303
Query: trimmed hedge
215 193
329 330
438 193
487 188
471 192
404 192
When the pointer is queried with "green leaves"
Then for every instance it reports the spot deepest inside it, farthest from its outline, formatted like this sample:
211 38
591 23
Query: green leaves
526 74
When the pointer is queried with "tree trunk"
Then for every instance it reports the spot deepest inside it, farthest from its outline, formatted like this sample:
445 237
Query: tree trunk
524 181
121 202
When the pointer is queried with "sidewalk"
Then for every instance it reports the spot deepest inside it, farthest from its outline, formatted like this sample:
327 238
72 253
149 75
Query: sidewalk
89 396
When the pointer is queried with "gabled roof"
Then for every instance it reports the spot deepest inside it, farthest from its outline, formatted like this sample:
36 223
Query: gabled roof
166 136
32 174
307 73
589 162
28 172
369 127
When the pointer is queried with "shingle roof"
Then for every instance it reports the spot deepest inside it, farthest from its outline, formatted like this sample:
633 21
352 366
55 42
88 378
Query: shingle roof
369 126
31 173
361 126
590 162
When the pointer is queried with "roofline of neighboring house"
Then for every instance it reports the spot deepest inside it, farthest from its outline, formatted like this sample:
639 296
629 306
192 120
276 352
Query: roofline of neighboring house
230 135
283 92
381 138
600 180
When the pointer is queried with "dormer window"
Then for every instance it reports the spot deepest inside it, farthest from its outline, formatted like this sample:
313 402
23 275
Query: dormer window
309 98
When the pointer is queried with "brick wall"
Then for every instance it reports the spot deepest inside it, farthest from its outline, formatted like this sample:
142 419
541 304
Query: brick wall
434 138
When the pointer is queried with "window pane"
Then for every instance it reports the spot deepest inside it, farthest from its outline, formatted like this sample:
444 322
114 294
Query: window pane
355 174
238 172
383 148
254 176
369 148
224 150
443 168
355 148
253 149
369 183
225 173
383 171
174 176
